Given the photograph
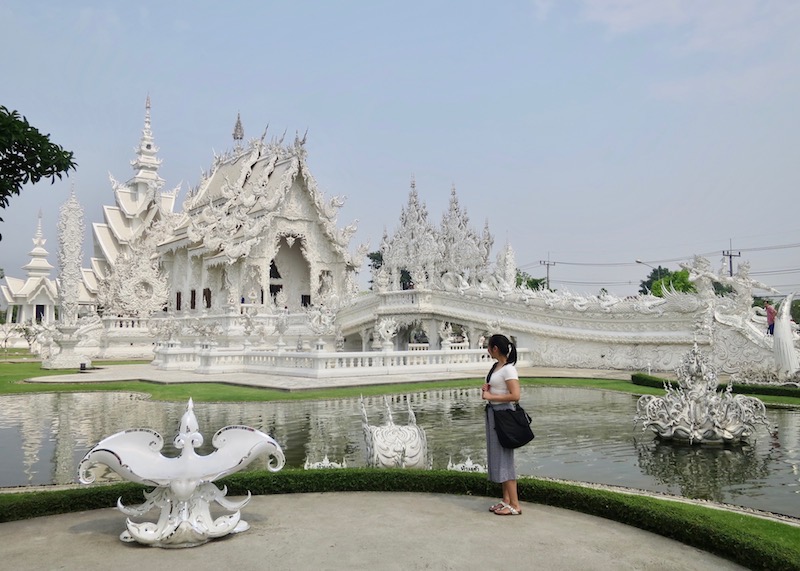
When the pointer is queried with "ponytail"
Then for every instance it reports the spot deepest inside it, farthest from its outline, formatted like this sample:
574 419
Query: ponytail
505 346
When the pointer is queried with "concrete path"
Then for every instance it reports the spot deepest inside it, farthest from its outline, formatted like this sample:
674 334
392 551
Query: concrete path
147 372
361 530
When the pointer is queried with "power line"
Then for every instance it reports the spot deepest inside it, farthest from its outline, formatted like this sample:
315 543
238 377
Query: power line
571 282
725 253
776 272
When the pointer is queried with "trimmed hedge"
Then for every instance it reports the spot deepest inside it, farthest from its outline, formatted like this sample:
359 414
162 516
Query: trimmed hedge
753 542
645 380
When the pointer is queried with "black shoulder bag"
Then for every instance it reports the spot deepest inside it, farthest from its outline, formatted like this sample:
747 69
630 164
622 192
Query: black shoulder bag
513 427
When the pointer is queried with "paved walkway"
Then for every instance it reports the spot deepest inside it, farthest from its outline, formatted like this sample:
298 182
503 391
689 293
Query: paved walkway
147 372
361 530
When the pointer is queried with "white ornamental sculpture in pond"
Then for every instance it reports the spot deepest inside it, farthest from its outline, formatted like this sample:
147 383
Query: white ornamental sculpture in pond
395 446
695 412
183 490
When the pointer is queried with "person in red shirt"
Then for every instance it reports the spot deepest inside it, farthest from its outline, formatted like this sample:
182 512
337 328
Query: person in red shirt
771 313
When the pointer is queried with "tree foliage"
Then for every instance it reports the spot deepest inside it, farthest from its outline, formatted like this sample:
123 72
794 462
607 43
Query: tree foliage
27 156
524 279
678 281
376 261
646 286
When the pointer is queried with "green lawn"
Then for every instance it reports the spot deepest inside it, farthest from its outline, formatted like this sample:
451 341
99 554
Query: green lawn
12 376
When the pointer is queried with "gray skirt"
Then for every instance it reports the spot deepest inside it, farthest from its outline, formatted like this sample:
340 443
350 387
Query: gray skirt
499 460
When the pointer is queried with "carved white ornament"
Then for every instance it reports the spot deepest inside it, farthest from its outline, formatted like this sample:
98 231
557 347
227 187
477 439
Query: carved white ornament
394 446
184 489
695 412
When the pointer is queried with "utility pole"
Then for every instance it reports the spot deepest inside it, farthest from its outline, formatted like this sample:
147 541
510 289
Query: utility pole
547 263
730 255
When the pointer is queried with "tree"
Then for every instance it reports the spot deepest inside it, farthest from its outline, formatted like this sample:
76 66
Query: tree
524 279
7 331
29 331
376 261
656 274
27 156
678 281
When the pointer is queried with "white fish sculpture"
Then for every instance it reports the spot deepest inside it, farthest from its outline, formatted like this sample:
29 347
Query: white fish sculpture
183 484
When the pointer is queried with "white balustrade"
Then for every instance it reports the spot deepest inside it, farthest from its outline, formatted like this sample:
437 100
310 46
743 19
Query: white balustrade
322 363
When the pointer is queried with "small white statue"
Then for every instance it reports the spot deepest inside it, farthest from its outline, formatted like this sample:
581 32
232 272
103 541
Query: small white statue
183 490
395 446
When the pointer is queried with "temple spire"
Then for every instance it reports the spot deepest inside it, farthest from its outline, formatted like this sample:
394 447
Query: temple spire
238 132
38 266
146 163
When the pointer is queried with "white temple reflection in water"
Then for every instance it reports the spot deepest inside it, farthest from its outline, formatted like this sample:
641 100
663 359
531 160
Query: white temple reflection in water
582 435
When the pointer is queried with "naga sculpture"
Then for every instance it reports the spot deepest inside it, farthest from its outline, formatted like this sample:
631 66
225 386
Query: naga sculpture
395 446
695 412
466 466
183 488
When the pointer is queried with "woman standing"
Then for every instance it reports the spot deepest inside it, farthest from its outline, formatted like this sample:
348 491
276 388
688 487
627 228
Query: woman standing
500 391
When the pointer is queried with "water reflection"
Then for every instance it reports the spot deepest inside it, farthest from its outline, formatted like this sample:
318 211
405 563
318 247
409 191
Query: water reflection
581 435
701 473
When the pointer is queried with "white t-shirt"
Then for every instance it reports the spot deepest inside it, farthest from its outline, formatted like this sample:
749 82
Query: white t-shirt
497 382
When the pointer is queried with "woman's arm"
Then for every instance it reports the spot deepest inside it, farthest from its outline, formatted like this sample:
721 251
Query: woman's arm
513 392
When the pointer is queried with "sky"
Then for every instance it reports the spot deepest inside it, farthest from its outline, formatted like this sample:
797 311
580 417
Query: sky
590 133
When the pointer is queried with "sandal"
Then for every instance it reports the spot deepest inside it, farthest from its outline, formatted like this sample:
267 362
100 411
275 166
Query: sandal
498 506
508 510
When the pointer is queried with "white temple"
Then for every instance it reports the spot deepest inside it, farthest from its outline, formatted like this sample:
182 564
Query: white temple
34 298
255 274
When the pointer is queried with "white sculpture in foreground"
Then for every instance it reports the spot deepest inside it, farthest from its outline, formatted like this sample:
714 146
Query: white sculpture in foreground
183 490
695 412
395 446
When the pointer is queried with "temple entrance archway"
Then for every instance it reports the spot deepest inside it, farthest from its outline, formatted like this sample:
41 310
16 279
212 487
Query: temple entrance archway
295 274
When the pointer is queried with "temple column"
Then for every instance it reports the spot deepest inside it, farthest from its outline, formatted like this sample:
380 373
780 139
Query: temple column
431 327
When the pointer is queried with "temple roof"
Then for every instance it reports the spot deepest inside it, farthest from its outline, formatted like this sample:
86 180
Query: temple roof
18 291
105 239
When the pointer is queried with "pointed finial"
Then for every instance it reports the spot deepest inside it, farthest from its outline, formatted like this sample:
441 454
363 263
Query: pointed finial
413 182
147 113
39 227
238 130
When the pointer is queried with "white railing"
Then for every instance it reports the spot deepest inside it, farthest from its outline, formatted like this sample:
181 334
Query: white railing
210 359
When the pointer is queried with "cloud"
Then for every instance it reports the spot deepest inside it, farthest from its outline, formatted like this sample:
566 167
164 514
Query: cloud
542 9
713 26
101 24
752 83
736 49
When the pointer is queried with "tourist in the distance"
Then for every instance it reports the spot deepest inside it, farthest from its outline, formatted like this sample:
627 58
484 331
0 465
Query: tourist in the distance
500 391
771 313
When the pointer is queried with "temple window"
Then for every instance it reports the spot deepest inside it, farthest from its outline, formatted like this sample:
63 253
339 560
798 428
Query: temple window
207 298
305 300
193 299
39 313
178 301
273 271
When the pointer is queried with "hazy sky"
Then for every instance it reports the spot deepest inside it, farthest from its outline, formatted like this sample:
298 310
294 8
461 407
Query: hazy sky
592 132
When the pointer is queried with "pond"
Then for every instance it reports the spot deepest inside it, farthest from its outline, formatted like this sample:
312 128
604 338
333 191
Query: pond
581 434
